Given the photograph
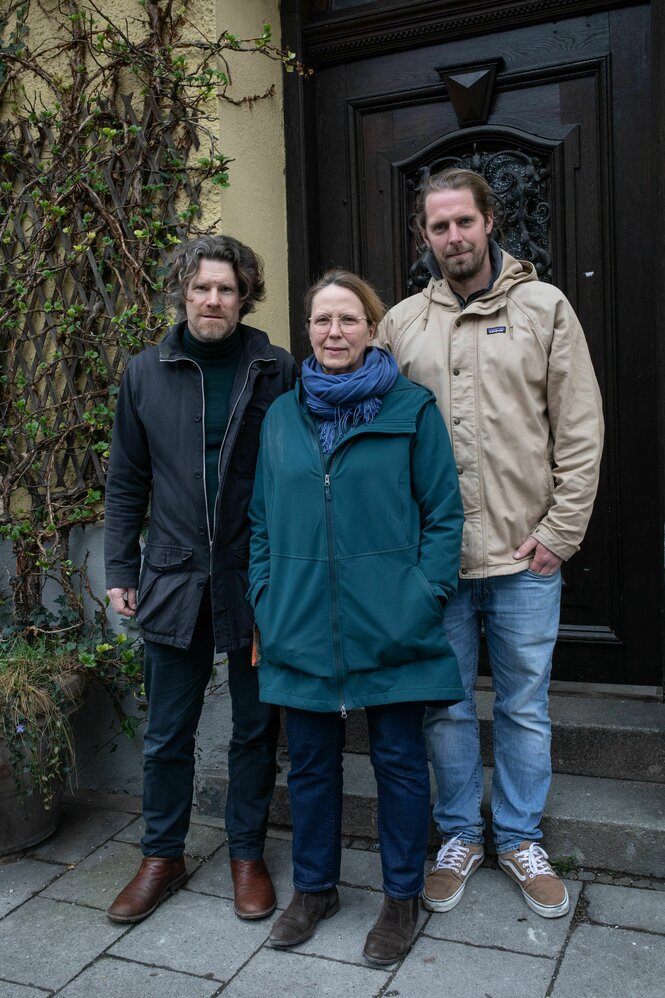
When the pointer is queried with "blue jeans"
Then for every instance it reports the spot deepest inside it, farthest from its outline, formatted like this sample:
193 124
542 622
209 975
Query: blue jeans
399 759
521 617
175 681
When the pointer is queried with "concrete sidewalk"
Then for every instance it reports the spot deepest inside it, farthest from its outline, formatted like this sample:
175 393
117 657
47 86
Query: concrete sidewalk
56 939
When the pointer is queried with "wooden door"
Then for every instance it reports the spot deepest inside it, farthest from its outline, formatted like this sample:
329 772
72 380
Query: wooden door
555 115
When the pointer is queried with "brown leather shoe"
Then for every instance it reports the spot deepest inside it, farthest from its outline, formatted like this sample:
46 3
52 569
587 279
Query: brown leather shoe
253 892
157 877
391 935
302 916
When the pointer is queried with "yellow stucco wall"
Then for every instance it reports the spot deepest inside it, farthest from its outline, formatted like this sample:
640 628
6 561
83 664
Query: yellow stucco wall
254 207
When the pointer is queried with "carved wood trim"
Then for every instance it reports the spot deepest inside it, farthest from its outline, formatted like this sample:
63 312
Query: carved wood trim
342 37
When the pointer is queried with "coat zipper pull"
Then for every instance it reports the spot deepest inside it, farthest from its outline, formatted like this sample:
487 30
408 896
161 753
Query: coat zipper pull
326 483
342 711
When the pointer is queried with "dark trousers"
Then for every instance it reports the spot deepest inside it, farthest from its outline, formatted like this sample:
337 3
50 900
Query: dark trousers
175 682
399 760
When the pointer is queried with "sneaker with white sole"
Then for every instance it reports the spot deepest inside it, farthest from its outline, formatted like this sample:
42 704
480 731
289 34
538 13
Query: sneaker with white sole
455 862
544 892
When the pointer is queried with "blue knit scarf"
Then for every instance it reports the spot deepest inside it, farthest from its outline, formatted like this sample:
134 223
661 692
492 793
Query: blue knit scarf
344 401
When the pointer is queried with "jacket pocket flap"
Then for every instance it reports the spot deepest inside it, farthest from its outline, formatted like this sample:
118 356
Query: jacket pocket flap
164 557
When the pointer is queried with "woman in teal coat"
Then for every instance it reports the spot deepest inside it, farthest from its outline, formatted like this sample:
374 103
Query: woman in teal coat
356 532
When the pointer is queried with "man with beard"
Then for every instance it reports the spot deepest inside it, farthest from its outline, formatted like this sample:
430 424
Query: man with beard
507 359
185 442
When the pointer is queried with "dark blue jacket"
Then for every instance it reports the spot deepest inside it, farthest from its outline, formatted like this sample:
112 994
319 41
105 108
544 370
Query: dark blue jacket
158 459
353 555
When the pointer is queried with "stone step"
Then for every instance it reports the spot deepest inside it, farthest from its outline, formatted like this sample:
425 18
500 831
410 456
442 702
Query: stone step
591 736
604 823
616 825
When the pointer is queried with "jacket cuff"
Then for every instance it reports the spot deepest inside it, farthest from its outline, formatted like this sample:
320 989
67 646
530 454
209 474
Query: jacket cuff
553 544
255 591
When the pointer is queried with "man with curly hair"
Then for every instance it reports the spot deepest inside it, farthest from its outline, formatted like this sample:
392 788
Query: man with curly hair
184 447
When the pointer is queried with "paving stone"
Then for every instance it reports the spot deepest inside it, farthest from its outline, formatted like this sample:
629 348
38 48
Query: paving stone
118 800
342 937
626 906
361 868
494 913
444 968
131 833
202 840
194 934
283 973
19 881
100 876
214 876
122 979
586 875
79 832
605 961
8 990
46 943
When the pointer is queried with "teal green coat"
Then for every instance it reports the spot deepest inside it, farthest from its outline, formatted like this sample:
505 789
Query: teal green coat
352 556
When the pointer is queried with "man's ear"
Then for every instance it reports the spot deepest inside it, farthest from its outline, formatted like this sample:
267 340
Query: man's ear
489 222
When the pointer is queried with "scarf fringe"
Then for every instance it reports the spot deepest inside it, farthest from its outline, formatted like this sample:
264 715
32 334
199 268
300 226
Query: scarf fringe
332 430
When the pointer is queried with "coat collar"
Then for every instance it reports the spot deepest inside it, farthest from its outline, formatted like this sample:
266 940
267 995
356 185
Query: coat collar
255 344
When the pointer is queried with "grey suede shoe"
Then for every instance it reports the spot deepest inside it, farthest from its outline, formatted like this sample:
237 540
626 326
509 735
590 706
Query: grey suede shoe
391 936
302 916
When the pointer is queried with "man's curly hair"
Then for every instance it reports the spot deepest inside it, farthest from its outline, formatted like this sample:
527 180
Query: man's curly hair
247 266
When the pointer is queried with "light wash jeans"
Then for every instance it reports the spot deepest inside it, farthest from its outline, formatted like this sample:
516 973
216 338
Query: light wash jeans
521 617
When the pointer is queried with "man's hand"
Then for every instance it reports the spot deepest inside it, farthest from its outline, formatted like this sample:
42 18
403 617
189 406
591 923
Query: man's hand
123 600
545 562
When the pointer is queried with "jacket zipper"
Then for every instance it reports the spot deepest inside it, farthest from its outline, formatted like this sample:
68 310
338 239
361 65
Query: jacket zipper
257 360
332 575
251 364
189 360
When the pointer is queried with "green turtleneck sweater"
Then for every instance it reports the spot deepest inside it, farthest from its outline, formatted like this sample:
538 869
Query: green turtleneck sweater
218 361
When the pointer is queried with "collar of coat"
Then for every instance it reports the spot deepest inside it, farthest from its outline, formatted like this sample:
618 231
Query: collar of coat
254 343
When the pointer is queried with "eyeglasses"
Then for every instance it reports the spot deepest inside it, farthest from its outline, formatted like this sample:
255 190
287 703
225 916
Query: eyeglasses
348 323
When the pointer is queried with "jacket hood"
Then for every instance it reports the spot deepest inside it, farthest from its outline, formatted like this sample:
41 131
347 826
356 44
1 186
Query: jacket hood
512 272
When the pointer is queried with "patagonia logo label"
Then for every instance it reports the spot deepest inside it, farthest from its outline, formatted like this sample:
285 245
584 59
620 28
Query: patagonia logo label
491 330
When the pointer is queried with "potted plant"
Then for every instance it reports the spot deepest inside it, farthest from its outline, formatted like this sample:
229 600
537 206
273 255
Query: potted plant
43 674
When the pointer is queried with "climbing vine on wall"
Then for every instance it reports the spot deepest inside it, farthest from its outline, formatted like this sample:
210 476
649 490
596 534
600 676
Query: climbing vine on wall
108 144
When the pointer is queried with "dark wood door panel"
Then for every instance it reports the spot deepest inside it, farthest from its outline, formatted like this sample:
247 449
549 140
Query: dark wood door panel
573 96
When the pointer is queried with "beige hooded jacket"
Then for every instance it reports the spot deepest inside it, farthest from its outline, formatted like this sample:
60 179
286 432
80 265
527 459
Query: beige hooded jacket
516 387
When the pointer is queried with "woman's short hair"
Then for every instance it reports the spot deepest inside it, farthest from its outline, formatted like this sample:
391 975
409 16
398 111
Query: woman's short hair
247 266
371 302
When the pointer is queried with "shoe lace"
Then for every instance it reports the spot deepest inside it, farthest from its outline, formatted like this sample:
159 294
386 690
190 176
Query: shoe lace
535 860
451 855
